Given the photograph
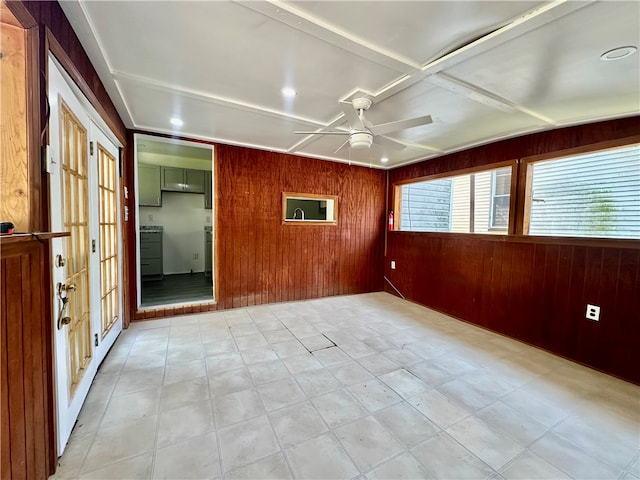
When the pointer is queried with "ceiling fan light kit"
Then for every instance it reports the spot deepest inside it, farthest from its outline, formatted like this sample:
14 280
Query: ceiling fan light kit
360 140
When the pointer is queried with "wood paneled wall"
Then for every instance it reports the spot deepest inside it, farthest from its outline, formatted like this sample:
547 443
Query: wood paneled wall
25 380
259 260
531 288
534 291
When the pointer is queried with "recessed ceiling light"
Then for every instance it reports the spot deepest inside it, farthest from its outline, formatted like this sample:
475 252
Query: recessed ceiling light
289 92
618 53
384 159
176 122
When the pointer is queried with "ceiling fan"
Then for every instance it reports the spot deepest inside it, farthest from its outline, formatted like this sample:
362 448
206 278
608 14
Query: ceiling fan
363 133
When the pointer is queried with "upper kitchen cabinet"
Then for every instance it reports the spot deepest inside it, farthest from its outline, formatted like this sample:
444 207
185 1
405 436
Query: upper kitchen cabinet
149 185
182 180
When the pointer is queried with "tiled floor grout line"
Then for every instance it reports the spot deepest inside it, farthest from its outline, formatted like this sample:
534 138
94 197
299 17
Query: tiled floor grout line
158 414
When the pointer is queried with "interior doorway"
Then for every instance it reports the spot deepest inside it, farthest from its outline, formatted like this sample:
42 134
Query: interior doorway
174 222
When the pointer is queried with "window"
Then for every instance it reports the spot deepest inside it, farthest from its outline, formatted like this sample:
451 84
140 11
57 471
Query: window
592 195
475 202
501 188
308 208
426 206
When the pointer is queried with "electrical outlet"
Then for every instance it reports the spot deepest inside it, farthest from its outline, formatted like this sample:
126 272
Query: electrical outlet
150 217
195 256
393 264
593 312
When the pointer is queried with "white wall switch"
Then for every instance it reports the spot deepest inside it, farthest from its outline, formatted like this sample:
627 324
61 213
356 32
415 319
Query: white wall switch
393 264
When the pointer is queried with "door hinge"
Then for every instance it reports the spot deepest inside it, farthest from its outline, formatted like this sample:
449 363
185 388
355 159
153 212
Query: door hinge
93 246
90 148
96 337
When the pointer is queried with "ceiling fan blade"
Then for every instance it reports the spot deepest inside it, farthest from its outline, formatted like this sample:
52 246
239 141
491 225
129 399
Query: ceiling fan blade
323 133
385 128
341 146
388 142
354 120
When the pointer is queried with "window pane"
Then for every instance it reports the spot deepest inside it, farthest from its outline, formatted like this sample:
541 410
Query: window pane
594 195
500 199
426 206
463 203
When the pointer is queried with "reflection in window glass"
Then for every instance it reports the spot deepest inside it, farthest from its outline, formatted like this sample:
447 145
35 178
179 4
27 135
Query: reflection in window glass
471 203
501 188
301 208
593 195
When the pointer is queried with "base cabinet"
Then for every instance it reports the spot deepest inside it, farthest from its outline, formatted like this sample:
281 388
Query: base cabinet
151 255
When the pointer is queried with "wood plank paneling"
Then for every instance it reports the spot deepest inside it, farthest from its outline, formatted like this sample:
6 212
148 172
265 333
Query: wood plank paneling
259 260
27 423
531 288
533 292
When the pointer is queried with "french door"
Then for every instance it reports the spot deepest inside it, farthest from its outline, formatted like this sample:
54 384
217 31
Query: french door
83 186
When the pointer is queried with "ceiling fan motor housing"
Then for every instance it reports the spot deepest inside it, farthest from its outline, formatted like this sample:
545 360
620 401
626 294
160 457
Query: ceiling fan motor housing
360 140
361 103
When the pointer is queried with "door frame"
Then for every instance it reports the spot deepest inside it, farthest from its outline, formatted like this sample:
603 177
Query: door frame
135 278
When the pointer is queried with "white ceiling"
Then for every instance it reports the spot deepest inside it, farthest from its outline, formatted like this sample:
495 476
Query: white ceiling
484 70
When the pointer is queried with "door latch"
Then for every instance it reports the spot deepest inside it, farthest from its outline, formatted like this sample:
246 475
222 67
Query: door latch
63 314
63 294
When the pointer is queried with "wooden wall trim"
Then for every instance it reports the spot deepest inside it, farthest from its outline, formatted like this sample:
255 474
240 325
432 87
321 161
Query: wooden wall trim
129 280
39 215
530 239
22 14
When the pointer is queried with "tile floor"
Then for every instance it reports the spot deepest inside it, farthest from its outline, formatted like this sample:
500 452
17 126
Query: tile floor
390 390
